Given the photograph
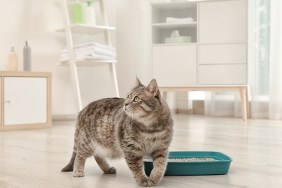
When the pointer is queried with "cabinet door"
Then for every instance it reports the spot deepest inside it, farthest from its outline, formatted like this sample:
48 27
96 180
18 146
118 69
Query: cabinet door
223 21
25 100
175 65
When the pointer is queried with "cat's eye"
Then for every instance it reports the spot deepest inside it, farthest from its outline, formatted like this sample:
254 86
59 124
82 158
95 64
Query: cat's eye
127 96
136 99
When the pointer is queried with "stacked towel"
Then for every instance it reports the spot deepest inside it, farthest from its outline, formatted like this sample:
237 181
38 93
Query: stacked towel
179 20
90 51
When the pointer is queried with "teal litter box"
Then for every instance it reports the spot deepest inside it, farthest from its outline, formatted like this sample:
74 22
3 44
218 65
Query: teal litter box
192 163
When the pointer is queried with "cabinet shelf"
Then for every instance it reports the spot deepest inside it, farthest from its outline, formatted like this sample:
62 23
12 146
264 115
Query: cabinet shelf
85 1
174 5
86 29
174 25
174 44
185 22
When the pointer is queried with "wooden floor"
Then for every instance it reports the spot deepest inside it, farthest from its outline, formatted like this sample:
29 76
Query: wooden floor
33 159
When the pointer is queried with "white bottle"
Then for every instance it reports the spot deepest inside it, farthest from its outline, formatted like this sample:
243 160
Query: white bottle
89 14
12 64
26 57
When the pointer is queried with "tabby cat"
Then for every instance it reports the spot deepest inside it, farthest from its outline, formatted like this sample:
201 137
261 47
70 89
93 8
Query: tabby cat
138 126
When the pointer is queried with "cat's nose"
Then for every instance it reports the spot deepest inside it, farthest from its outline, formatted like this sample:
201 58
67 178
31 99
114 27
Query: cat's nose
126 103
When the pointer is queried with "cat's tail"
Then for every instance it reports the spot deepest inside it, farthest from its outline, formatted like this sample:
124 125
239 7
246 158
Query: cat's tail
69 166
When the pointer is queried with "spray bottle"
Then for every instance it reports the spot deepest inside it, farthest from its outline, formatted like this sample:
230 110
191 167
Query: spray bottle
12 64
89 14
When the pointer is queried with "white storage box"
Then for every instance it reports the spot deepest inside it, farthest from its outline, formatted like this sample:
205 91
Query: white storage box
181 39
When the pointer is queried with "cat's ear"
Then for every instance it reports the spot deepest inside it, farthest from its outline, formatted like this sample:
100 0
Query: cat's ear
154 88
138 83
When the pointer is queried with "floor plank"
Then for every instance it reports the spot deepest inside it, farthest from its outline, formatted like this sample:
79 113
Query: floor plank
34 158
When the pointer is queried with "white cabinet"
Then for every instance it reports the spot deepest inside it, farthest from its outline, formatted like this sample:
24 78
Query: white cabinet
26 100
215 59
217 52
169 60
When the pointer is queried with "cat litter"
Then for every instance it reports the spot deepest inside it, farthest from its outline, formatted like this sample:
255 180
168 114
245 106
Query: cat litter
194 159
193 163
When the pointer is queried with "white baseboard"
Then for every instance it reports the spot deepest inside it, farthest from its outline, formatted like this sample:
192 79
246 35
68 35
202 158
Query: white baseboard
63 117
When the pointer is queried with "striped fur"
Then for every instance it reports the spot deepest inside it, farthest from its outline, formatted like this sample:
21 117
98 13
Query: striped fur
132 128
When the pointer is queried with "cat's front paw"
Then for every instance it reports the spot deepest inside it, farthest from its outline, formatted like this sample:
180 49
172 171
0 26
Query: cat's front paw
111 170
78 174
146 182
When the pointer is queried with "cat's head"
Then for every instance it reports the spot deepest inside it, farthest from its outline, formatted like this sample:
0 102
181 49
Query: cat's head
143 101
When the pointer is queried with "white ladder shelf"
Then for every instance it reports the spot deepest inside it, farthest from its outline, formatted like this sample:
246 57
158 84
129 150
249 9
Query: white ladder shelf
81 28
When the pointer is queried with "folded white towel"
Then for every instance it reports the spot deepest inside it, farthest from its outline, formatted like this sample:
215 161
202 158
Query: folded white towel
89 51
86 57
93 44
98 57
105 52
92 51
179 20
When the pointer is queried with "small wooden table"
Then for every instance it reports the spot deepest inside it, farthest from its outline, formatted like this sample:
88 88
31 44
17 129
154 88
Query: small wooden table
242 89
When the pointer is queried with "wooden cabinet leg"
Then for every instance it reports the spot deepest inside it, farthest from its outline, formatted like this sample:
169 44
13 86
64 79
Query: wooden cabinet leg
164 95
247 102
244 101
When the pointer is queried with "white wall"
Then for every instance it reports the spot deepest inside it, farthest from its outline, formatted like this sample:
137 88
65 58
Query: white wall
133 42
37 22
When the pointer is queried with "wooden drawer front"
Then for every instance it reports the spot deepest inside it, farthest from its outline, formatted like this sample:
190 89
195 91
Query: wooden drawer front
175 65
222 74
222 54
